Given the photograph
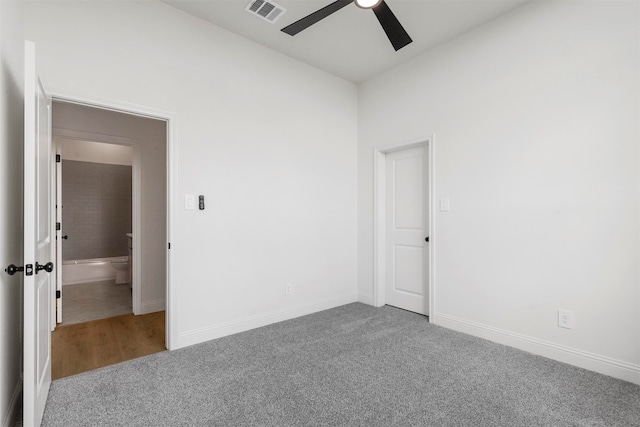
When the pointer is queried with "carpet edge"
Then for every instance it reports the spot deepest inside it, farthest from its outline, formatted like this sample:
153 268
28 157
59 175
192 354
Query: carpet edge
220 330
593 362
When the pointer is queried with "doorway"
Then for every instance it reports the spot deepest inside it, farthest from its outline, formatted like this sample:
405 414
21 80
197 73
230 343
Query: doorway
94 218
83 127
403 234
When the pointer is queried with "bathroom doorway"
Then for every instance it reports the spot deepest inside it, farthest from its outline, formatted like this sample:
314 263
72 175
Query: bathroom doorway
94 212
113 230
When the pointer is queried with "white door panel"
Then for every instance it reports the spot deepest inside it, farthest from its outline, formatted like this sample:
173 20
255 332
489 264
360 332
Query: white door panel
406 264
408 269
37 244
407 190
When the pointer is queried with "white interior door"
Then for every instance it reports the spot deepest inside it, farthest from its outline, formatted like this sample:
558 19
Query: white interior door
37 244
406 246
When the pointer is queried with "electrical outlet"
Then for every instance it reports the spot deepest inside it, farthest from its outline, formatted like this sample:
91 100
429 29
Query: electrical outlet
565 319
288 290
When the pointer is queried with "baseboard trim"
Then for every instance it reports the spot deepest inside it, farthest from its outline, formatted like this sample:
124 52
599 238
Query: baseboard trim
366 299
153 306
197 336
11 416
572 356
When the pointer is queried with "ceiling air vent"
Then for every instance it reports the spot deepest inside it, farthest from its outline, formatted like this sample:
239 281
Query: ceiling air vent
266 10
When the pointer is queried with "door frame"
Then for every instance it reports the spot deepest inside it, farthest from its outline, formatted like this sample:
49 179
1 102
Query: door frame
379 219
171 119
56 209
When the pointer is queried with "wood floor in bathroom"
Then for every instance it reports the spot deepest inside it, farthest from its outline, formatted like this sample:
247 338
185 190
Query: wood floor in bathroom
86 346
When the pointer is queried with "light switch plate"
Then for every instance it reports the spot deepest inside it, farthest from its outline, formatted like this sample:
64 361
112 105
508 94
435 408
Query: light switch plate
444 204
189 202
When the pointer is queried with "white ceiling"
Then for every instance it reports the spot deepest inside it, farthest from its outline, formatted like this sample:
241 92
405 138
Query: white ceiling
351 43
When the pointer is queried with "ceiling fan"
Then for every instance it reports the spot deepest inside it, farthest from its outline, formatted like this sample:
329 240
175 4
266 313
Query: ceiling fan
390 24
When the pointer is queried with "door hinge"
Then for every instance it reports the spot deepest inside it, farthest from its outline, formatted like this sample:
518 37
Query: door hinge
58 226
58 158
169 245
28 270
58 294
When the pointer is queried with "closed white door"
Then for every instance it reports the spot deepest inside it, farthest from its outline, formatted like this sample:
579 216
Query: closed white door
406 245
37 244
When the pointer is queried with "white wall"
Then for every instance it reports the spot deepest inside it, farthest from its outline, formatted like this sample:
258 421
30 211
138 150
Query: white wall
96 152
536 124
271 143
11 136
150 138
536 120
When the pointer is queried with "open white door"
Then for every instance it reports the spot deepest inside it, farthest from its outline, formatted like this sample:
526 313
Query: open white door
37 244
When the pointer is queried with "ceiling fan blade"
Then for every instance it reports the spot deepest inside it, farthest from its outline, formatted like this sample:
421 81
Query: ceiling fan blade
316 16
396 33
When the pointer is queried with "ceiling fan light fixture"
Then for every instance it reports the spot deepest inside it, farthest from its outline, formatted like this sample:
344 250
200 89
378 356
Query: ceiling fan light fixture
367 4
396 33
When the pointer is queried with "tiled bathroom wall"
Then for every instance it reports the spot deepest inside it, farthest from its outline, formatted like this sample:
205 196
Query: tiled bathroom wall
96 209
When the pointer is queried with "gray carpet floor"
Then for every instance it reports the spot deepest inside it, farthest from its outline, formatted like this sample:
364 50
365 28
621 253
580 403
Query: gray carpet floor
354 365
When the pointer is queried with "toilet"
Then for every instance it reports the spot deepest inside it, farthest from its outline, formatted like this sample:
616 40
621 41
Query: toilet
121 266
